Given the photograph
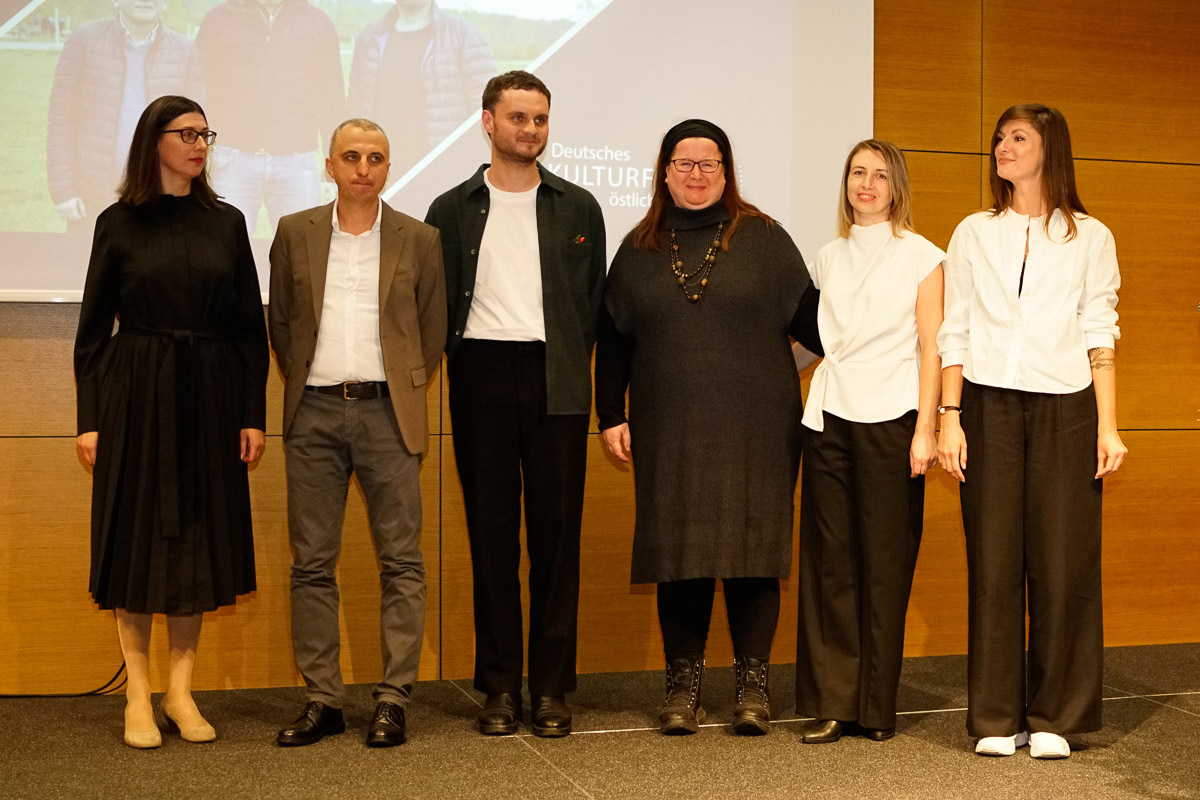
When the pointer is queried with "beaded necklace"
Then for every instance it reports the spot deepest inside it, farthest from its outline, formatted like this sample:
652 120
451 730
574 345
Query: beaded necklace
693 290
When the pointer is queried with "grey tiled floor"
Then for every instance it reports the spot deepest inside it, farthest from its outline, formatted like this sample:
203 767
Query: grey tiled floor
72 748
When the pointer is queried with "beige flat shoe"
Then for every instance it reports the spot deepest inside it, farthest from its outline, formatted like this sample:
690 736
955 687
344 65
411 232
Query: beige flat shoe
193 732
142 740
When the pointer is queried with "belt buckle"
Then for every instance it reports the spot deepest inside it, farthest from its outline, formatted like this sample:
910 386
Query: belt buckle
345 389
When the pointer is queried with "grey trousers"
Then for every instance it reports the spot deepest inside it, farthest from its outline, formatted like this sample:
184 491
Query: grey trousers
330 439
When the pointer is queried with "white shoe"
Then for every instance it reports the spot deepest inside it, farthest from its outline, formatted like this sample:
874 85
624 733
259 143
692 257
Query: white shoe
1001 745
1048 745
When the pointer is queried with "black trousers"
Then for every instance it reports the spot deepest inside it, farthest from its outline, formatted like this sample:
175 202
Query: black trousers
507 446
685 610
860 529
1031 511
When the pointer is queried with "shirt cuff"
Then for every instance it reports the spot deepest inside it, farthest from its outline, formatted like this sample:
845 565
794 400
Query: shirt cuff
953 358
1100 339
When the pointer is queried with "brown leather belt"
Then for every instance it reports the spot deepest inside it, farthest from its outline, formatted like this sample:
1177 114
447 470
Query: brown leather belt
353 390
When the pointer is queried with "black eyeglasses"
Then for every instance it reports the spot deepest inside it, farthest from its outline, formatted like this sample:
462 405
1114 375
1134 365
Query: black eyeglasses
686 165
190 135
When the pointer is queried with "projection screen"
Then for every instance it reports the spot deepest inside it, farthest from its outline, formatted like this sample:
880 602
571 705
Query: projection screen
789 80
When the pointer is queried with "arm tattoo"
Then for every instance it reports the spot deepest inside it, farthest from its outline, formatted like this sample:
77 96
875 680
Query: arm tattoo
1102 358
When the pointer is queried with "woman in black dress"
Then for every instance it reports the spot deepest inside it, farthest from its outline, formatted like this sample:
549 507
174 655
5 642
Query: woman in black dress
171 408
699 303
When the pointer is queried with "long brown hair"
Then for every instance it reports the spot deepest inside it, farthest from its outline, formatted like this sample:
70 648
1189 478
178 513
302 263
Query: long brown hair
143 177
900 215
647 234
1058 166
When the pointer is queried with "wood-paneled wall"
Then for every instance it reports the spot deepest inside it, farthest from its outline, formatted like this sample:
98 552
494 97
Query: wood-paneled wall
1125 76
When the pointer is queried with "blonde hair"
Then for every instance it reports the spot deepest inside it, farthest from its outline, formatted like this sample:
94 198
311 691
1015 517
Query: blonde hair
900 214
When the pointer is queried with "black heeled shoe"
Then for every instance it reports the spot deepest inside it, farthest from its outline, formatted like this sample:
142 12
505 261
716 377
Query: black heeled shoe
825 731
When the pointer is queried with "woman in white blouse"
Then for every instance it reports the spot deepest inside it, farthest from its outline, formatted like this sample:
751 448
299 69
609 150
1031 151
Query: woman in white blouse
1029 390
868 440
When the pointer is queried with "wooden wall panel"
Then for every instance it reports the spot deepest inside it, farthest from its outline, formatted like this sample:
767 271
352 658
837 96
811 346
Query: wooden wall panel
1151 211
946 189
1151 561
1126 75
36 371
927 57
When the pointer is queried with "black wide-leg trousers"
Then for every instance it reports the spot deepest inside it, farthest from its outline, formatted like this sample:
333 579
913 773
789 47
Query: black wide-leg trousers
1031 512
507 447
860 530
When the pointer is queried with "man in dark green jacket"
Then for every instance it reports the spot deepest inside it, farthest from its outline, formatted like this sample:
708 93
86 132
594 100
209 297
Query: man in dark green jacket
525 262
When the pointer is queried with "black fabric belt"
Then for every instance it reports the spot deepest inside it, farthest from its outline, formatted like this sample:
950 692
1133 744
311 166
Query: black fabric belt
353 390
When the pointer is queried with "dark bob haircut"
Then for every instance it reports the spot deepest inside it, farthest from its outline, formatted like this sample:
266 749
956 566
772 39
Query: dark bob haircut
142 183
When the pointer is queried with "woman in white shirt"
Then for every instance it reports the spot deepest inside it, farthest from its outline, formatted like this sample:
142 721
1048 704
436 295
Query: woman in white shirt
868 440
1029 386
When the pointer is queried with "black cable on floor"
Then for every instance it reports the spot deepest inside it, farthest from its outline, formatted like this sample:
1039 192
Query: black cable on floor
111 687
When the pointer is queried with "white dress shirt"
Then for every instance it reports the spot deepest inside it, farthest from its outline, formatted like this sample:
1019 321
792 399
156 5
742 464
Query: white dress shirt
348 346
1035 341
507 305
868 323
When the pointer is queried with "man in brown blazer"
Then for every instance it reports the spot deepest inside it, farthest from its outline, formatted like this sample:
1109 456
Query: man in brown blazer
358 323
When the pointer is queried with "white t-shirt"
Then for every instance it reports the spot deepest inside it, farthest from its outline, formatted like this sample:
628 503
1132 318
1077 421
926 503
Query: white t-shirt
868 323
1035 341
508 281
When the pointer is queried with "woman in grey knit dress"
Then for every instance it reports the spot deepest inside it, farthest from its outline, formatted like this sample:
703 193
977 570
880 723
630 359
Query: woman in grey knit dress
699 304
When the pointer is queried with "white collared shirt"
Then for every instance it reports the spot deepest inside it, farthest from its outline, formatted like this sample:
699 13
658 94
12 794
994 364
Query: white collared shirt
348 346
1037 340
507 302
868 323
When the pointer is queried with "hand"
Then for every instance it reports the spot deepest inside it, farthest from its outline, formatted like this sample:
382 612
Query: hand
952 447
72 209
253 442
616 441
85 445
922 454
1110 453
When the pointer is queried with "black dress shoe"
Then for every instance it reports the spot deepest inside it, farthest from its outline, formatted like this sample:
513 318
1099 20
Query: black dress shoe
879 734
500 714
387 728
317 722
823 731
551 717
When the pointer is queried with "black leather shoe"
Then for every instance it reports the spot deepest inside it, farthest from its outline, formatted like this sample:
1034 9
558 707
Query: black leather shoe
500 714
824 731
879 734
387 728
551 717
317 722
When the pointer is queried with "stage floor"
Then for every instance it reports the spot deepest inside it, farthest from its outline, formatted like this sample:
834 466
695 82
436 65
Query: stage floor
72 748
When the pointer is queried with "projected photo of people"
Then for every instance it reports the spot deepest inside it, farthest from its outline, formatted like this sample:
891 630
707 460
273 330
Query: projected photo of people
419 72
108 72
274 75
